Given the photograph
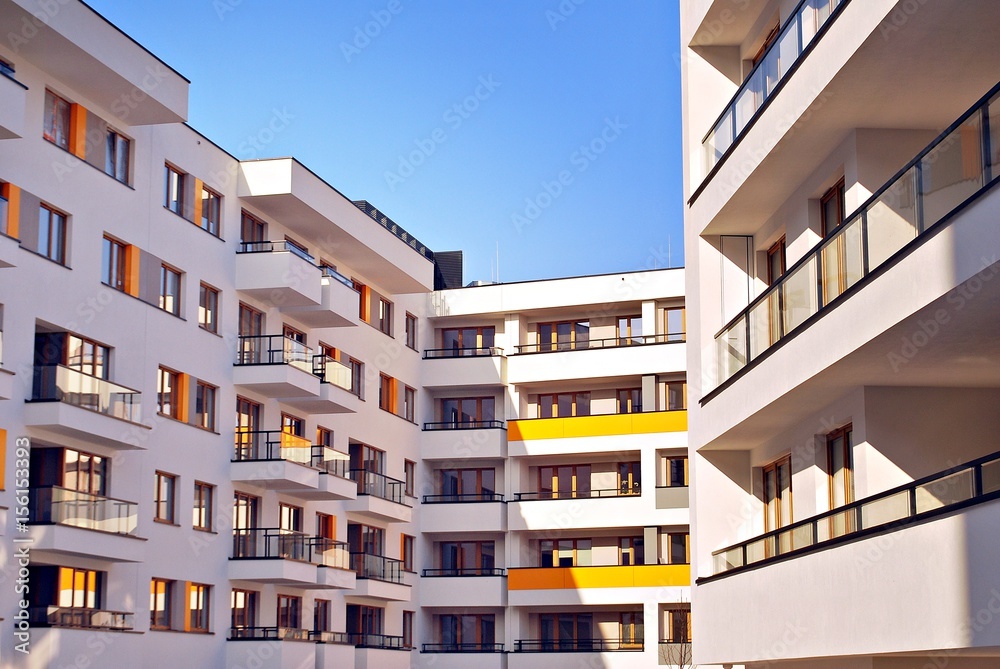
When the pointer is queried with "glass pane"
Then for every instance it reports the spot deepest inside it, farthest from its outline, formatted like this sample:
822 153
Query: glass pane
952 171
760 549
564 336
489 481
951 489
449 339
885 510
765 323
788 49
836 525
720 139
799 299
842 261
991 477
582 404
488 337
732 350
892 221
994 154
748 100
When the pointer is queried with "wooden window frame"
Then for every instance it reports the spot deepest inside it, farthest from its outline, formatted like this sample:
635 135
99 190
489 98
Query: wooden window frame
409 477
837 194
161 588
671 337
199 618
55 223
114 144
61 111
175 179
774 466
166 271
204 506
254 225
175 393
113 253
776 249
407 551
251 600
208 308
410 327
574 403
385 309
208 223
165 498
632 397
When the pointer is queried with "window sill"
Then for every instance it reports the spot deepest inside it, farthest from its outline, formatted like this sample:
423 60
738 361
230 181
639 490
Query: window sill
205 530
163 521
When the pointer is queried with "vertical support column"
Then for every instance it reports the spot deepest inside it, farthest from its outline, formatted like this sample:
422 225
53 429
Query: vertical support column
651 544
649 394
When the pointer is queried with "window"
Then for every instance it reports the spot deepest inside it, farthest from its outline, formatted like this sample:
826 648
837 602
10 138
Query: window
168 393
364 619
468 341
292 333
407 629
385 316
199 596
840 465
321 615
363 299
772 35
677 625
208 308
386 384
82 472
409 403
113 263
563 481
324 437
406 551
252 229
203 496
674 324
565 553
468 411
676 395
566 631
163 497
289 612
87 356
630 629
466 631
211 210
56 123
243 611
365 539
366 457
776 262
247 420
564 336
293 425
678 548
77 588
562 405
778 494
832 208
170 290
326 526
357 376
204 405
411 331
409 476
52 234
630 400
245 507
289 517
465 558
631 551
251 326
629 330
673 471
174 193
161 593
468 484
116 156
629 478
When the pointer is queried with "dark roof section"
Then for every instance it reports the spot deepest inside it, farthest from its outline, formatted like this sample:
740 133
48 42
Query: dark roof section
447 270
394 228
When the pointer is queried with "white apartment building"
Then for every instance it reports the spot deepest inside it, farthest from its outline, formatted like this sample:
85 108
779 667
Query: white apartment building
841 246
240 428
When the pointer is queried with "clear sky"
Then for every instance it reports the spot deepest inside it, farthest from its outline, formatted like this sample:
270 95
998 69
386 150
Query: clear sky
549 129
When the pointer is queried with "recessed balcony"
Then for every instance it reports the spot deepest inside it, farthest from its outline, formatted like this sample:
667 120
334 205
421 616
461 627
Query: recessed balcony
463 367
379 497
279 461
471 512
577 645
468 439
66 402
596 358
290 559
486 586
81 618
288 648
539 586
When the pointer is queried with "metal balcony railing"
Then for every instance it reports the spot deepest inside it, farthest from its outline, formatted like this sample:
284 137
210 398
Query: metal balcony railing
330 273
383 641
277 544
334 372
58 383
806 24
610 342
464 571
455 352
377 567
465 425
955 488
483 647
85 618
62 506
577 645
949 173
462 498
379 485
280 246
625 490
274 350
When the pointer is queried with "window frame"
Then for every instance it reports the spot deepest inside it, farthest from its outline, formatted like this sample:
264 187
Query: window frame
204 506
409 477
113 254
212 226
166 595
166 273
56 225
199 618
165 498
175 181
57 108
114 143
410 327
208 308
206 416
409 403
163 374
385 309
407 551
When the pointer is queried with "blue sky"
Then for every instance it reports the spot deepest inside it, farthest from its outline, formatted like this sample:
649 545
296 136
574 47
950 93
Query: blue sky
548 127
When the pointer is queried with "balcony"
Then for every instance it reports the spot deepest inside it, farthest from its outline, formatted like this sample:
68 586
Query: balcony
379 577
672 497
463 367
339 304
380 497
486 586
13 100
675 653
921 198
576 645
339 390
579 509
68 522
474 512
279 273
299 651
69 403
293 559
276 366
470 439
546 436
80 618
804 28
597 358
280 461
462 648
607 584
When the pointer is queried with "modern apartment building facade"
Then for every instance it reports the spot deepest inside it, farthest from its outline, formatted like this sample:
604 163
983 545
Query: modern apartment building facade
241 428
841 158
